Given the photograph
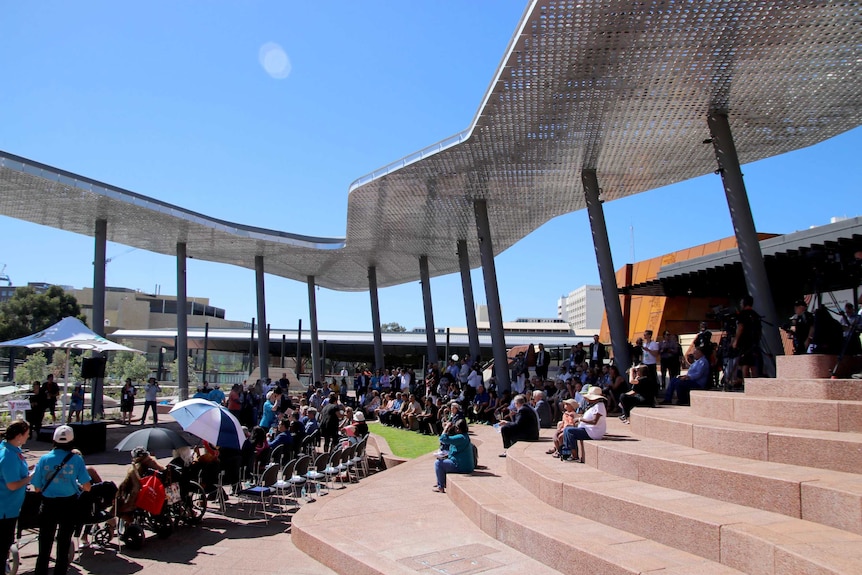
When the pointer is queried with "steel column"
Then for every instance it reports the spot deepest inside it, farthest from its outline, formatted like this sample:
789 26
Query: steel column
753 268
469 302
182 346
262 332
492 296
430 335
315 347
206 348
375 318
613 310
99 262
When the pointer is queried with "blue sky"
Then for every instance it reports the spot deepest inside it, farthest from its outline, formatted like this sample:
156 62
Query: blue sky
170 100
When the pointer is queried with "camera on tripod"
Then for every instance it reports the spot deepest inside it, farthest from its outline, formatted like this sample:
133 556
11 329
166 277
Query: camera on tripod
726 317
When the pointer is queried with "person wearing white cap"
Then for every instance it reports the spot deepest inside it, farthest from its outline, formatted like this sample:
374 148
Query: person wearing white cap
60 475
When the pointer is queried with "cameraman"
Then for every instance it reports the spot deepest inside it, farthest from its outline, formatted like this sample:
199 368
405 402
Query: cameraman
746 341
801 327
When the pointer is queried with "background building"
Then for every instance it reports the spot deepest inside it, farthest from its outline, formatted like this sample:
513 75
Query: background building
583 308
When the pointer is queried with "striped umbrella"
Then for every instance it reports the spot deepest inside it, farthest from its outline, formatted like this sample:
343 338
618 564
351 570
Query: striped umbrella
209 421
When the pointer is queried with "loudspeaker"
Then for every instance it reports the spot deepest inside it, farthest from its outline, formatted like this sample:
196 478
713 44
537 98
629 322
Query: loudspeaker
93 367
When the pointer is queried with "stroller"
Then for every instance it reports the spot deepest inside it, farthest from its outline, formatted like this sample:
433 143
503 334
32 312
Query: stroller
96 515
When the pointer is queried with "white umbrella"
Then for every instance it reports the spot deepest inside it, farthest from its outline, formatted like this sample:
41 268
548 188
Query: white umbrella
69 333
209 421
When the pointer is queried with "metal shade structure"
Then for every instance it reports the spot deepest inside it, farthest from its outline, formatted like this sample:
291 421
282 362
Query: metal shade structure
69 333
617 87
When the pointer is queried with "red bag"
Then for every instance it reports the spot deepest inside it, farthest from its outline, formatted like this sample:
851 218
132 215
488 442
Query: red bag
152 495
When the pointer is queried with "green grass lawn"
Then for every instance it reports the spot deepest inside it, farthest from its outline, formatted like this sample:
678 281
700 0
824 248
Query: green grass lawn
406 444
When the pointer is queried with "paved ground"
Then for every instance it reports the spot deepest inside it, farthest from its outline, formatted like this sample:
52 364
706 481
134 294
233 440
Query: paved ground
233 542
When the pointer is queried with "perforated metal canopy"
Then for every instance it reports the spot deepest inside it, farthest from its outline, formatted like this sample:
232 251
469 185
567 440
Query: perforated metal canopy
619 87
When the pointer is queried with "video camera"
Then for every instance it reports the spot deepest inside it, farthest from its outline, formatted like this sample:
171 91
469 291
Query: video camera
725 316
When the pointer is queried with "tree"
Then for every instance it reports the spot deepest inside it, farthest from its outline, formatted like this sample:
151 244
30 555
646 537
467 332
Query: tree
175 370
58 366
35 368
393 327
27 312
127 365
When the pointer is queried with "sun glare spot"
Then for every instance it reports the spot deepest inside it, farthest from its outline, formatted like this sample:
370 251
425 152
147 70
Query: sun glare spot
274 60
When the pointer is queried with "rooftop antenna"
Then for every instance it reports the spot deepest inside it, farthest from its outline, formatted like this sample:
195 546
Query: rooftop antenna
632 240
4 277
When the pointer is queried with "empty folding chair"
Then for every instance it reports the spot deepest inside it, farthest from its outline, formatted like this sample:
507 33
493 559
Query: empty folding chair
277 455
263 490
359 458
333 468
315 475
298 479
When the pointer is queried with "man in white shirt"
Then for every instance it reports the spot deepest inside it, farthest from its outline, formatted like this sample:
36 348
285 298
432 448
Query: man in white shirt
651 353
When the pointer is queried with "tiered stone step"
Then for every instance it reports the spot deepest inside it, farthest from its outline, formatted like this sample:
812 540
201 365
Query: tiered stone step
567 542
812 448
832 498
793 412
741 537
392 523
834 389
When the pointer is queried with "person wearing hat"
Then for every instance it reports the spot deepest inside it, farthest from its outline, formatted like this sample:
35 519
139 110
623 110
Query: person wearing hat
151 392
570 414
60 475
356 430
144 463
591 425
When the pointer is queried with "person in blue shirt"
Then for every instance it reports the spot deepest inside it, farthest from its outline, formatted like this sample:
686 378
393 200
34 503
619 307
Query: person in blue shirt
14 477
696 378
270 408
283 436
60 475
202 393
216 395
459 453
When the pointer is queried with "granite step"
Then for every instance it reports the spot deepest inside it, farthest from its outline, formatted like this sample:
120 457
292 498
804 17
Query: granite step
807 447
834 389
568 543
744 538
391 523
823 496
796 413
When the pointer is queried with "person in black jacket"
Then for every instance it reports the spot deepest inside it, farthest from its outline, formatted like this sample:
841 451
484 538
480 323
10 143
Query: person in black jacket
329 416
524 427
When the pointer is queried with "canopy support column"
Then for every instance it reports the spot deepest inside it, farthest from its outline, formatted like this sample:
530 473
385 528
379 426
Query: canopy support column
613 309
375 318
492 296
430 335
99 262
262 331
469 302
753 268
315 346
182 345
